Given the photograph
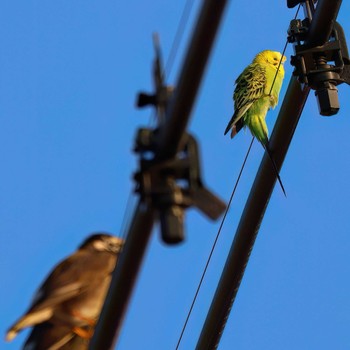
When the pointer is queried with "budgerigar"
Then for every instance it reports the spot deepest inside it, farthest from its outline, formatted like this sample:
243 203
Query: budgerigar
253 96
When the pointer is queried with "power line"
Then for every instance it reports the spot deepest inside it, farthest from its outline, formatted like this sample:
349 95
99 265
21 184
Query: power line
127 215
178 36
283 52
214 244
175 45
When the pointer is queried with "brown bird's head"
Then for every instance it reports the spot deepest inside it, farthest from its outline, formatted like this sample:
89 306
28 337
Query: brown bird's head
103 242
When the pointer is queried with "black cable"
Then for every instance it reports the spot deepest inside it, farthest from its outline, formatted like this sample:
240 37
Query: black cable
214 244
174 47
284 50
266 146
178 36
279 64
131 201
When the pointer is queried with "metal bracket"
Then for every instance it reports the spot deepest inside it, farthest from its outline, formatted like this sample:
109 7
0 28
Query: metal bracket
322 68
162 92
170 185
293 3
173 185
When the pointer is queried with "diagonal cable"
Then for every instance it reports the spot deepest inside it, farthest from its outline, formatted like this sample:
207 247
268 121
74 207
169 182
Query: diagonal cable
214 244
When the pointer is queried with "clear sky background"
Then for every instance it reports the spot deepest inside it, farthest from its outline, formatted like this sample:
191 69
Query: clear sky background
69 74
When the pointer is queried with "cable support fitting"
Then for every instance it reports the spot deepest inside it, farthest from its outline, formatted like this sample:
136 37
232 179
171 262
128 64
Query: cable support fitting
170 185
323 67
293 3
173 185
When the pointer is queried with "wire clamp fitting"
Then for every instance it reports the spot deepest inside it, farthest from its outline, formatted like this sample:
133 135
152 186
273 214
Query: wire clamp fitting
323 67
173 185
170 185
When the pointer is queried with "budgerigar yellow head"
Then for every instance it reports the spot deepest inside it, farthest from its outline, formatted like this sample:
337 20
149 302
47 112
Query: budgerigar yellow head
272 58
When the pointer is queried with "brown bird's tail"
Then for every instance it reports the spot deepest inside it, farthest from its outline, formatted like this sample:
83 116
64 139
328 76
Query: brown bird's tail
11 333
28 320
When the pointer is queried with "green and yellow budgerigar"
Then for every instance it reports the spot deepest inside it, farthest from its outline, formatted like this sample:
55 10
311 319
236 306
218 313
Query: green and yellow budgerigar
253 96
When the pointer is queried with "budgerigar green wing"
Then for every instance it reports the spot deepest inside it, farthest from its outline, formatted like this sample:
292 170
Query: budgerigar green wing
250 86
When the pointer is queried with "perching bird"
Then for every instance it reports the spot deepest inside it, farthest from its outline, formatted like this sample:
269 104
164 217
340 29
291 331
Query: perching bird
257 90
66 307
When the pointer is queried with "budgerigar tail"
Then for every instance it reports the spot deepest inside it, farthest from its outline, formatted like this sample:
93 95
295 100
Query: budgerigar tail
275 168
235 126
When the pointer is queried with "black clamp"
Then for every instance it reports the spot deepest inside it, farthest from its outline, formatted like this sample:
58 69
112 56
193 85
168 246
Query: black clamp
162 94
293 3
321 68
171 185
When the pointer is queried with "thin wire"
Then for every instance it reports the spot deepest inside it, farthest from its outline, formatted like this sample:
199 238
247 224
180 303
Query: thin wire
227 209
174 47
284 50
279 64
214 244
169 64
173 51
178 36
127 216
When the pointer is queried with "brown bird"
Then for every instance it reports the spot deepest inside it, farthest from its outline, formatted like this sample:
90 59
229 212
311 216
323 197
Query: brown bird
66 307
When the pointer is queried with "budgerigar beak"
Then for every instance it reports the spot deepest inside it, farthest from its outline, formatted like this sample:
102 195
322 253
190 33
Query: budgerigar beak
284 59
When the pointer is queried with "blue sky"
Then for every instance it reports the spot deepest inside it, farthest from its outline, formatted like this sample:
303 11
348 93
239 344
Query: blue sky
69 74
